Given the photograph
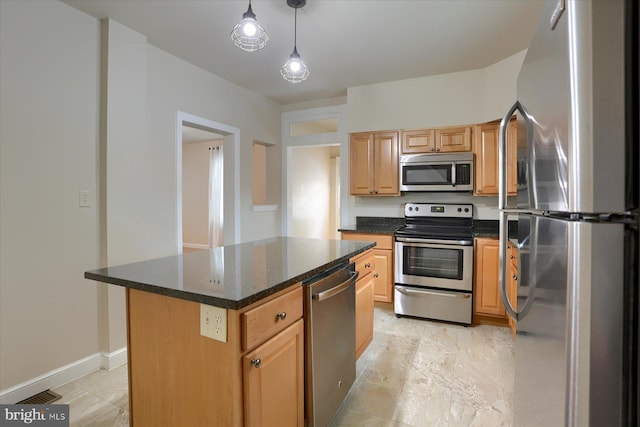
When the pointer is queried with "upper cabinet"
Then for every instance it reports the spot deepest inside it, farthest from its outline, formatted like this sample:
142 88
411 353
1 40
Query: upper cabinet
374 164
486 148
436 140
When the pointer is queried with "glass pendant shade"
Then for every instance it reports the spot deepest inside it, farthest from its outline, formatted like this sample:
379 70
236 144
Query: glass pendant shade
294 70
247 34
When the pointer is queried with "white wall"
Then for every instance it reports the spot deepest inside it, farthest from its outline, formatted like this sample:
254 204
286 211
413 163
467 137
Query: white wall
175 85
49 86
63 132
467 97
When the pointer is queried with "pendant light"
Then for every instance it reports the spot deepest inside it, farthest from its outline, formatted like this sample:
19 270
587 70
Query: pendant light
247 34
295 70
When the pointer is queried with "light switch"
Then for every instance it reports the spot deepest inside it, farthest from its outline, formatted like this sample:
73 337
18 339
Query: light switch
85 199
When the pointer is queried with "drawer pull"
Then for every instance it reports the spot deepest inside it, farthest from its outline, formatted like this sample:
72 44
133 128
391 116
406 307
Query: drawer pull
256 363
367 265
281 316
375 275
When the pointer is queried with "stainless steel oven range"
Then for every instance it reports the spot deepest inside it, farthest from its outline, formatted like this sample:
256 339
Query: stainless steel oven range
434 262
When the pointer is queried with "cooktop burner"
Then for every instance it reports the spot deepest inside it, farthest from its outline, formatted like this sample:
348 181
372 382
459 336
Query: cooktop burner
437 221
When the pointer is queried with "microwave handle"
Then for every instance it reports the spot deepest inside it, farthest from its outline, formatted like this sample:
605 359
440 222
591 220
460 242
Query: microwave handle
453 174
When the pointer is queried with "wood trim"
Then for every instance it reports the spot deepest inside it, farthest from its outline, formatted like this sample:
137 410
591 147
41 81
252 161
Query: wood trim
383 241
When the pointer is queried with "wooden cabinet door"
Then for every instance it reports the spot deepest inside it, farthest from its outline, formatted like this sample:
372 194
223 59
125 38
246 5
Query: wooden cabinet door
485 148
383 275
361 163
486 145
486 293
512 292
364 313
274 387
449 140
418 141
385 173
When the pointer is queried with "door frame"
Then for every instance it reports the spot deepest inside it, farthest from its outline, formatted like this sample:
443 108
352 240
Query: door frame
319 139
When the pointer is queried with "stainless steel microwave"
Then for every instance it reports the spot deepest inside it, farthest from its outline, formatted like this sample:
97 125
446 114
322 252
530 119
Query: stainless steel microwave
436 172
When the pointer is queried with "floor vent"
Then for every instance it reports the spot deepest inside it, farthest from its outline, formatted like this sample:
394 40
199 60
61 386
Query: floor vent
43 398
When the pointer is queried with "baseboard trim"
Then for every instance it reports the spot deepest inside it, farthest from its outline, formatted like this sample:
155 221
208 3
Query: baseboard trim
195 246
63 375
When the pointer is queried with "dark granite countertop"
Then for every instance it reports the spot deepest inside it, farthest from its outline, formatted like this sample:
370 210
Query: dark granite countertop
374 225
233 276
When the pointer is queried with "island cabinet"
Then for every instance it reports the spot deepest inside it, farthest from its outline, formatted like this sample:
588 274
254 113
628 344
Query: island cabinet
365 265
486 148
436 140
383 255
373 164
488 307
178 377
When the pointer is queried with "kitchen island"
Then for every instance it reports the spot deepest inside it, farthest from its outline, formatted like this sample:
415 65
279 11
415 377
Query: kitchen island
216 337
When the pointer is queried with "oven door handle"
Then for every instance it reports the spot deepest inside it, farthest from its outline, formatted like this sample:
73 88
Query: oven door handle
451 294
435 241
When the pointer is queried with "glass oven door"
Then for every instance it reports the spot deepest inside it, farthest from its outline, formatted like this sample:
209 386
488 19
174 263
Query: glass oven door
434 265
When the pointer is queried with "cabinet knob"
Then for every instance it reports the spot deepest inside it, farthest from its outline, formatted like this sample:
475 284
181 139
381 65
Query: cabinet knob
367 265
479 190
433 149
256 363
514 277
281 316
438 150
511 257
375 275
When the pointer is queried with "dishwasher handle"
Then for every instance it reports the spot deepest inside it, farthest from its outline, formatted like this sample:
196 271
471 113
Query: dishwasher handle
325 295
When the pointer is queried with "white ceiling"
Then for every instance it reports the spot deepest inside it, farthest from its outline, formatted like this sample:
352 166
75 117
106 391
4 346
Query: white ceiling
344 43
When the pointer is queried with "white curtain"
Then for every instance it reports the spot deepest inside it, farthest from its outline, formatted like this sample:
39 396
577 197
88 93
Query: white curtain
215 197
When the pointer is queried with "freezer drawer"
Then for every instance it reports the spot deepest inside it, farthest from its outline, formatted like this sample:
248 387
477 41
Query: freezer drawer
449 306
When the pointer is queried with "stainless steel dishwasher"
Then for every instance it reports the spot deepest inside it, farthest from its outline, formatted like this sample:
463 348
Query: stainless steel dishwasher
330 342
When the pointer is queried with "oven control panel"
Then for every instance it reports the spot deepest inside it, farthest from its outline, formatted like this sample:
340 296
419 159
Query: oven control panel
438 210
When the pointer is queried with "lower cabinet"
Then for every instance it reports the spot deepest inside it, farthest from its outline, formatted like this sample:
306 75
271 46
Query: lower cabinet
383 273
365 263
177 377
273 383
512 283
488 307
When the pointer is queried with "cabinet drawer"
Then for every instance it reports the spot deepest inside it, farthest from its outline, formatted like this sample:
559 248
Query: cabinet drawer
264 321
365 263
383 241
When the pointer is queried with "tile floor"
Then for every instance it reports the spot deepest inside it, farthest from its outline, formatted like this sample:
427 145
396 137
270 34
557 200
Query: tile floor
414 373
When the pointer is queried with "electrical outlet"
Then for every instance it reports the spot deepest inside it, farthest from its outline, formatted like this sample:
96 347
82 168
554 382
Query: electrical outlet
213 322
85 200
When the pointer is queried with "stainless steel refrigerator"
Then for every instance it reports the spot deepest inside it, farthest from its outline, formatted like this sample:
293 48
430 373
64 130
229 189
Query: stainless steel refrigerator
577 218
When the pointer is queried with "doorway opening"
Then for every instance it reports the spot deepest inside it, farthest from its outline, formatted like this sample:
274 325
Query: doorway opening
202 186
315 191
207 184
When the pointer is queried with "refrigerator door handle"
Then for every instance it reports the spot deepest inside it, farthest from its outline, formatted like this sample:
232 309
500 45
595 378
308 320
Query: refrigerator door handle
502 154
502 269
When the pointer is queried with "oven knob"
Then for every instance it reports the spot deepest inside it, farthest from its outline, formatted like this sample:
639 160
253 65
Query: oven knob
417 209
410 208
466 209
459 209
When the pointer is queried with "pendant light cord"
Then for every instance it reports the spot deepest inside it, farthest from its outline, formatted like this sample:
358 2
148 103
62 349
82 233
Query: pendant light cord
295 28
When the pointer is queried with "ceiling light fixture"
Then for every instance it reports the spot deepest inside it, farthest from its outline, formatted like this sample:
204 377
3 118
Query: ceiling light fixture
247 34
295 70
